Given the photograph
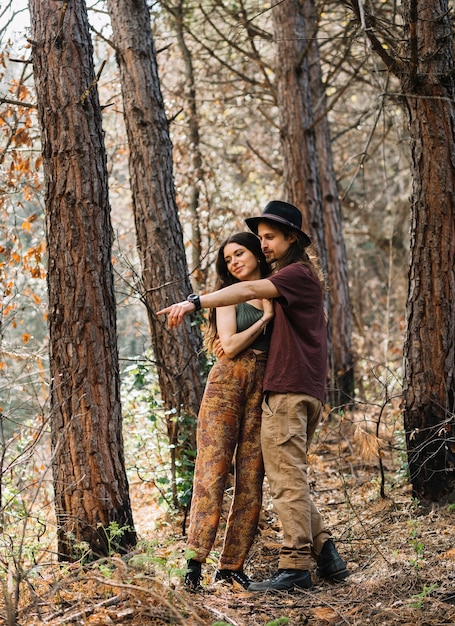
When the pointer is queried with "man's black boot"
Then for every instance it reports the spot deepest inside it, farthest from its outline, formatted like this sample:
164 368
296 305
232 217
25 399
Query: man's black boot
193 576
233 576
330 564
284 580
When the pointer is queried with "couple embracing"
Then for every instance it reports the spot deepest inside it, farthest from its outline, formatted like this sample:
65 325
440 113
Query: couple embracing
262 403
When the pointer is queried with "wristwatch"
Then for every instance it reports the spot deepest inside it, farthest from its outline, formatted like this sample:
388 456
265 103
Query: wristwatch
194 299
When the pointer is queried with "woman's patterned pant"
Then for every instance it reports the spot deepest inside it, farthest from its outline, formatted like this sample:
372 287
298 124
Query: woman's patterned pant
229 422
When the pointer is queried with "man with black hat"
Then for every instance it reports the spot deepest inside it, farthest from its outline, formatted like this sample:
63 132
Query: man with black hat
294 387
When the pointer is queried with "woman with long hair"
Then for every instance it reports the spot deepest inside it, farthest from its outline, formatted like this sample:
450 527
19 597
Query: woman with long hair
229 421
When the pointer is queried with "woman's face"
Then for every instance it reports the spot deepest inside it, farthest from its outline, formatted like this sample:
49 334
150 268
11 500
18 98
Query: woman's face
241 262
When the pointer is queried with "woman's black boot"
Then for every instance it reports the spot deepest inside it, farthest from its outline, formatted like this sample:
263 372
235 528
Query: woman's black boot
193 576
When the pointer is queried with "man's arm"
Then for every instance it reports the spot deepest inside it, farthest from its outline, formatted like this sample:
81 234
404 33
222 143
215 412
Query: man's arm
234 294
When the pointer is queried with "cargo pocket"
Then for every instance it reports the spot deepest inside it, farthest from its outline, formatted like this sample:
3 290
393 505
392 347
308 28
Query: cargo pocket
276 406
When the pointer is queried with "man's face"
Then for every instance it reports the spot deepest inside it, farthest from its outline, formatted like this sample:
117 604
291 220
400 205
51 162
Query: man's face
274 242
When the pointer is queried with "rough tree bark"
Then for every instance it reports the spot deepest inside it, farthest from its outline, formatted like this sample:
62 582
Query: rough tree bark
165 276
426 70
341 392
309 177
429 349
91 488
301 176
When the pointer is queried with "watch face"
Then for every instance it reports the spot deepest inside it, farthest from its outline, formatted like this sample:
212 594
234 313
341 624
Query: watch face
194 299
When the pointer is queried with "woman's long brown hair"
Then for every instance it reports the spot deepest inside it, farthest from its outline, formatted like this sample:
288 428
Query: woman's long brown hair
225 278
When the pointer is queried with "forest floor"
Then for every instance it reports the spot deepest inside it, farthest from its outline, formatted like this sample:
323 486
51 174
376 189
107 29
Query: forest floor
401 557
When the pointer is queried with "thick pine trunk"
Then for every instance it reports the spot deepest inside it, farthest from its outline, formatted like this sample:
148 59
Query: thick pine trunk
429 351
306 150
178 353
341 391
298 140
91 488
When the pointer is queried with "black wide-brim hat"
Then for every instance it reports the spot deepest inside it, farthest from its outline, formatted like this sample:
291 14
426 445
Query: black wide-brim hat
283 213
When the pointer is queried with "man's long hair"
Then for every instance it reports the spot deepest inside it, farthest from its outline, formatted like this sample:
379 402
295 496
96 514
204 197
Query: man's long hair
298 252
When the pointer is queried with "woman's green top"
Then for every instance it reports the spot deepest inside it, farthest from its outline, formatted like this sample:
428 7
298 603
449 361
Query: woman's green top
246 314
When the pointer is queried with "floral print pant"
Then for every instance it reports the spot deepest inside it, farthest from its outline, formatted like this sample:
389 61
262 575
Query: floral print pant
228 430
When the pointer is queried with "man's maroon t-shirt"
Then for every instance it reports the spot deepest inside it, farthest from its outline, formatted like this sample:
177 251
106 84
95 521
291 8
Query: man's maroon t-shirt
297 359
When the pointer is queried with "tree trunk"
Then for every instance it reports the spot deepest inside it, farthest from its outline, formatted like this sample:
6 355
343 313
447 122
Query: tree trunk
91 488
196 175
341 391
427 82
429 350
301 176
178 353
306 153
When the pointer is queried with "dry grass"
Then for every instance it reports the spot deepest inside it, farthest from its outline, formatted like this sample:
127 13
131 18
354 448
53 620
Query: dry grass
401 557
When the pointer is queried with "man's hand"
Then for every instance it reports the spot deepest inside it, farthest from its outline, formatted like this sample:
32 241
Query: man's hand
176 312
